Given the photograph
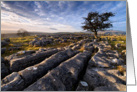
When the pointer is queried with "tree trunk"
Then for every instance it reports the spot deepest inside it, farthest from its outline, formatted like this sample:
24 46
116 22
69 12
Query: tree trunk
95 34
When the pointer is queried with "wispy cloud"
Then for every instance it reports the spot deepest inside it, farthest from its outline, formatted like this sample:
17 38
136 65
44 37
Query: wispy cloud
119 6
56 16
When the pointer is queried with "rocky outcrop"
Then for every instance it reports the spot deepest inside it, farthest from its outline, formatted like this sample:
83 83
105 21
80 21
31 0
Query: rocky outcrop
99 78
4 70
21 63
7 39
2 60
42 42
19 54
105 57
32 73
66 74
3 50
4 43
96 68
105 71
11 82
89 47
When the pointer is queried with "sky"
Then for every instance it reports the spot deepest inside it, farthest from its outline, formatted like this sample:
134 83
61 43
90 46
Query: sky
57 16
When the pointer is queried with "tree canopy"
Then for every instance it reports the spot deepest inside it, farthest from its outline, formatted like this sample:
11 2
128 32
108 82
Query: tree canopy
22 32
97 22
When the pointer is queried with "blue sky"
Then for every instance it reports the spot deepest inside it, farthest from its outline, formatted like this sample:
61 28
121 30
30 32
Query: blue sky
57 16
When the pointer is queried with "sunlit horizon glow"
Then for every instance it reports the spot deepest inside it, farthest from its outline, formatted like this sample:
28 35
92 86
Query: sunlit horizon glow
57 16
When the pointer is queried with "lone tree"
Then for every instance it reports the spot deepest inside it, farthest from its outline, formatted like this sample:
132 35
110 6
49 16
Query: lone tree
95 22
22 32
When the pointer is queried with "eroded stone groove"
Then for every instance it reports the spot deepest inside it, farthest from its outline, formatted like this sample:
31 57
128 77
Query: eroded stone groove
63 77
87 65
101 73
32 73
21 63
12 82
4 68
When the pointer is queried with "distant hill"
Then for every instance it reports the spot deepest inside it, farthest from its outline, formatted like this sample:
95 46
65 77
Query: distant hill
7 35
113 32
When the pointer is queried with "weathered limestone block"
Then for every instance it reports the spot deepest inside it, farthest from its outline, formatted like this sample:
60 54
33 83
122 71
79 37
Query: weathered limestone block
12 82
3 50
115 87
89 48
106 58
32 73
33 42
2 60
7 39
105 88
4 70
19 54
4 43
98 77
76 47
21 63
66 73
47 83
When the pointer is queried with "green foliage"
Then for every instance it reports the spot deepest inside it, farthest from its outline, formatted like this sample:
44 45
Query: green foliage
95 22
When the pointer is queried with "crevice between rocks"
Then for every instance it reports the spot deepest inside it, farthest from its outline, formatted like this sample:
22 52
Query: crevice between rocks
82 73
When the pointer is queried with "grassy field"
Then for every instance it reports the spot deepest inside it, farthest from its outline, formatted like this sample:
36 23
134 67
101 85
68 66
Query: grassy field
24 43
119 39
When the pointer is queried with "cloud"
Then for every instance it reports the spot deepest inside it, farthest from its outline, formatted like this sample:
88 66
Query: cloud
119 5
52 15
120 23
105 7
11 21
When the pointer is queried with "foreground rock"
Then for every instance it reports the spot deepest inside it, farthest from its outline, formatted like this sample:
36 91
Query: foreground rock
100 75
4 70
64 77
116 87
89 47
21 63
19 54
2 60
11 82
99 79
3 50
50 69
76 47
106 57
32 73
